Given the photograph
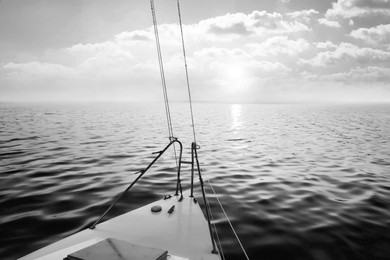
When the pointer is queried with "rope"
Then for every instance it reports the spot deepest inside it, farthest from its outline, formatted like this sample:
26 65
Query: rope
163 83
186 69
228 220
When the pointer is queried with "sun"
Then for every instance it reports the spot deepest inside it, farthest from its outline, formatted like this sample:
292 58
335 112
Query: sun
235 76
235 72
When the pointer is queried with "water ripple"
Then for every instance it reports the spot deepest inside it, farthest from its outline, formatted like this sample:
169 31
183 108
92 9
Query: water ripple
298 182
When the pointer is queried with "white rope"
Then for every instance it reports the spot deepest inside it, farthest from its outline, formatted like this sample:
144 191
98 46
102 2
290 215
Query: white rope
228 220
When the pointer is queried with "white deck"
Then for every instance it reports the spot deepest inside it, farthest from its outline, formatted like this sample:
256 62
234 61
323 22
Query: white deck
184 233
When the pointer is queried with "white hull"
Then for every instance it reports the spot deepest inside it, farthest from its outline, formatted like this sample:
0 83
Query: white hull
183 233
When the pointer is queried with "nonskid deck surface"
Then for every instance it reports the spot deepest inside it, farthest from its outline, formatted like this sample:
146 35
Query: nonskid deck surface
183 233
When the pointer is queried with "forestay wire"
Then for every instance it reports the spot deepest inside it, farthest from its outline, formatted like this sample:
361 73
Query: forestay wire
163 83
167 109
186 69
162 74
193 129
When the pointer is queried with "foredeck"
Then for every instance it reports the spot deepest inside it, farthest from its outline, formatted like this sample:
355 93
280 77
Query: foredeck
184 232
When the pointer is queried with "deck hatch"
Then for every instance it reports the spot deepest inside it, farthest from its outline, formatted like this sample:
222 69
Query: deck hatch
114 249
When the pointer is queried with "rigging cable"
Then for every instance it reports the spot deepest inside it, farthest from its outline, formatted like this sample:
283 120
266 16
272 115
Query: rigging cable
163 83
162 74
167 109
193 129
216 232
186 69
228 220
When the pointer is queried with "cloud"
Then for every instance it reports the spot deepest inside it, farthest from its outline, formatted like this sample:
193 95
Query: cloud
222 62
136 35
375 35
325 45
238 23
111 59
360 84
357 12
30 70
235 57
329 23
347 52
213 53
234 75
36 81
237 28
111 50
358 8
276 23
257 23
279 45
363 75
130 53
303 15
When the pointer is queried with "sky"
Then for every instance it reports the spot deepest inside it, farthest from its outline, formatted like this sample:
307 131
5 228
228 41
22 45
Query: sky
237 51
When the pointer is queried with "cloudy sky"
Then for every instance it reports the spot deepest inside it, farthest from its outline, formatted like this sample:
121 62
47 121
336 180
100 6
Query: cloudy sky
237 51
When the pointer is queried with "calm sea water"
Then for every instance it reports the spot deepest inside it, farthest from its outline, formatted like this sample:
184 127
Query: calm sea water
297 181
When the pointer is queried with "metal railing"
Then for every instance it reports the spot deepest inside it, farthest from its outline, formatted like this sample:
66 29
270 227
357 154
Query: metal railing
194 160
178 183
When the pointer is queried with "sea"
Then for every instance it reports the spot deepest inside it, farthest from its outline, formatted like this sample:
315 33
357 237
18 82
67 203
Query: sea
297 181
